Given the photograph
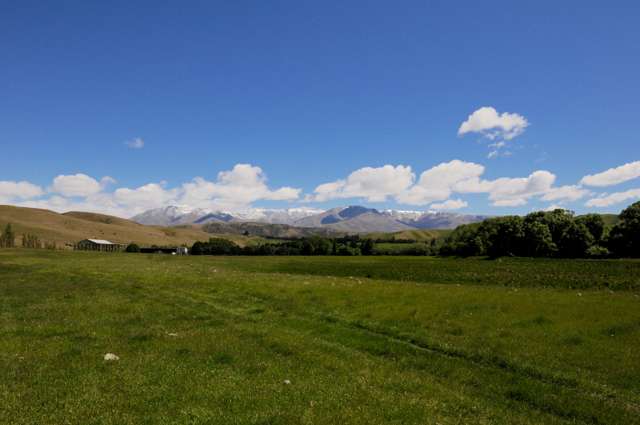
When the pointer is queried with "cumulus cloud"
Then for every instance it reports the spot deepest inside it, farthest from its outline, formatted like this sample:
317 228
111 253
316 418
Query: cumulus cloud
606 200
494 126
239 188
11 190
565 193
451 204
75 185
148 196
439 182
511 192
372 184
136 143
613 176
504 191
106 181
234 189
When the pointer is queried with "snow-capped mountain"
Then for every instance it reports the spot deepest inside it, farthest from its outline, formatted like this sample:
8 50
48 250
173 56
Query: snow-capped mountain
275 216
344 219
172 215
405 214
176 215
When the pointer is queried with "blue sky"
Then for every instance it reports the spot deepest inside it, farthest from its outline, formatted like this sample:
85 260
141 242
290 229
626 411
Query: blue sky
311 92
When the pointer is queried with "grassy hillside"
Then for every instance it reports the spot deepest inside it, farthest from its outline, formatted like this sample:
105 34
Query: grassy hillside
610 220
263 341
71 227
420 235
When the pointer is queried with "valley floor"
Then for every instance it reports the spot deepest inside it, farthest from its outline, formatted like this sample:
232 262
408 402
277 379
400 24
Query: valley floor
322 340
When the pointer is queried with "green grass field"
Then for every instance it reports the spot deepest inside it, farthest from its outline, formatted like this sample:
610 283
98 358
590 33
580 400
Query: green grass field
365 340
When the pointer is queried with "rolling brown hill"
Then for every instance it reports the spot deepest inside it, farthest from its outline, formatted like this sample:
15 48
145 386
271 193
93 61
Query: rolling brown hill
69 228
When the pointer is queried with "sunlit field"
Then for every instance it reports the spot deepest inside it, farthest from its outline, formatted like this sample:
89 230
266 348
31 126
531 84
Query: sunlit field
317 340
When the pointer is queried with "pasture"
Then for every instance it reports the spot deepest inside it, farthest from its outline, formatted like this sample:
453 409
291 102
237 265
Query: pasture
317 340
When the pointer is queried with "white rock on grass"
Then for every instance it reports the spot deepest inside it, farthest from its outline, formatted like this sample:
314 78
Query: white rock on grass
111 357
287 382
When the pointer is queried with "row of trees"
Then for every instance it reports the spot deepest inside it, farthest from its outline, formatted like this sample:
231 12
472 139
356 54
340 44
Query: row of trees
8 240
315 245
556 233
624 238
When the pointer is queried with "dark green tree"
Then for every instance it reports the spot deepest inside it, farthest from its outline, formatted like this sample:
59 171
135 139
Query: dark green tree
558 221
575 241
196 248
8 238
505 236
624 237
537 239
595 224
367 247
132 247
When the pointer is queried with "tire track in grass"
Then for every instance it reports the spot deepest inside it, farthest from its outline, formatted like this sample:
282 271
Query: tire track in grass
187 298
496 364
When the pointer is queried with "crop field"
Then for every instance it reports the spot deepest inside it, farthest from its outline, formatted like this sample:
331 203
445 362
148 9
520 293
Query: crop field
317 340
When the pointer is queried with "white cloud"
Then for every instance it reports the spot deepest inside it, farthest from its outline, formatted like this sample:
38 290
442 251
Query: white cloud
509 202
75 185
106 181
510 192
234 189
145 197
439 182
606 200
136 143
565 193
451 204
11 190
493 125
100 203
613 176
239 188
372 184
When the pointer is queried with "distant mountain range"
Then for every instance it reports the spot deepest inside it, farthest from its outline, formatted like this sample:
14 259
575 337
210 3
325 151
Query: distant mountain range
353 219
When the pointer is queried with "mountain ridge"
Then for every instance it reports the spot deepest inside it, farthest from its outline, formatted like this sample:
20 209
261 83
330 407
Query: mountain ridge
349 219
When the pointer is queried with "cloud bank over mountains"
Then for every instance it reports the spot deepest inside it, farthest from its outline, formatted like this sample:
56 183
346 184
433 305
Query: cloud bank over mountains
441 187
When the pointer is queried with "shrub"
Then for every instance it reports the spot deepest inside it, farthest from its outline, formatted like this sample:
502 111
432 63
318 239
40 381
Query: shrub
132 247
597 251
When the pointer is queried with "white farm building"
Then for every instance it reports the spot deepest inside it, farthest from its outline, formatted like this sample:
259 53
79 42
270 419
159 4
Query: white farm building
98 245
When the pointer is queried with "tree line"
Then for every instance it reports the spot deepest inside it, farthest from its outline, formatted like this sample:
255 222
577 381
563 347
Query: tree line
8 240
557 233
313 245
